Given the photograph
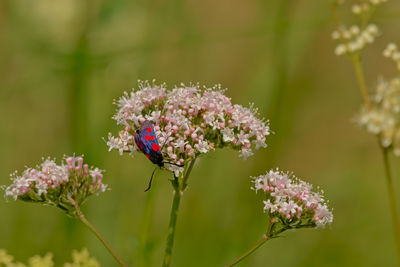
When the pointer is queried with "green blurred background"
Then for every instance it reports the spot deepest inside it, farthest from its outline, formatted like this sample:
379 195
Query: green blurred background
62 62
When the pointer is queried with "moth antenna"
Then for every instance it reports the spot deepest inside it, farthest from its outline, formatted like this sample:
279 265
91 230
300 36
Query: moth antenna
151 179
174 164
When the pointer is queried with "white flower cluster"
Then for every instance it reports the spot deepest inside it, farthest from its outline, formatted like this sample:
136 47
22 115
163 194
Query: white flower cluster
51 184
353 39
393 53
292 200
383 118
362 8
193 120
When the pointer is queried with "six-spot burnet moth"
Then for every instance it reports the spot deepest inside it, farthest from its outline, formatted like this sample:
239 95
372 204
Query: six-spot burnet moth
146 141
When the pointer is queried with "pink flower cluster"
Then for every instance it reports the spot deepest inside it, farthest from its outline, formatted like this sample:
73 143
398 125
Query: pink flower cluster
193 120
292 200
51 183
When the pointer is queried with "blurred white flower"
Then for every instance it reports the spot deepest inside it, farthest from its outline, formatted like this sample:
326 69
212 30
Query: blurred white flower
353 39
393 53
383 118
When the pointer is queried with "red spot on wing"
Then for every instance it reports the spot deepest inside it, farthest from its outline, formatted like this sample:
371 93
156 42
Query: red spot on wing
148 137
149 129
147 155
153 138
155 147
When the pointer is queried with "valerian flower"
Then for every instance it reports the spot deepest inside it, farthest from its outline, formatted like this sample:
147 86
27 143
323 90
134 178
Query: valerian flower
383 117
64 186
291 202
190 121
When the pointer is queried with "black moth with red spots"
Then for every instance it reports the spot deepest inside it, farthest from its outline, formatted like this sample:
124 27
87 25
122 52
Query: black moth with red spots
146 141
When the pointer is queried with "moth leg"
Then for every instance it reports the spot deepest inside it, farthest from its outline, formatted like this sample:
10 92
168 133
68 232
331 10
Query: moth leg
151 179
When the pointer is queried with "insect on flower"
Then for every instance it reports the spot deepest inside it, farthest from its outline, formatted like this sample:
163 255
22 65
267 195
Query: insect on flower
146 141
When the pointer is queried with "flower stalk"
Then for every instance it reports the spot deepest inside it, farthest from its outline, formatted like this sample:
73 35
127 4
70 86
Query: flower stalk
257 245
80 216
392 200
391 193
179 184
361 80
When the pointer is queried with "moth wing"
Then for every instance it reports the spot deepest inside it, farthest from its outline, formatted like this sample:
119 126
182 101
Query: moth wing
142 144
147 132
144 127
148 142
153 151
138 142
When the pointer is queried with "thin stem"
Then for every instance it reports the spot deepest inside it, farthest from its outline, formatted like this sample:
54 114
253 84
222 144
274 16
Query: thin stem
259 243
250 250
171 228
361 80
364 92
392 199
179 187
189 170
102 240
333 7
83 219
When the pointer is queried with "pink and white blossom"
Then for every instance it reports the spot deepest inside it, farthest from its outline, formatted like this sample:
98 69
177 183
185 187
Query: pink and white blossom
194 120
292 200
54 184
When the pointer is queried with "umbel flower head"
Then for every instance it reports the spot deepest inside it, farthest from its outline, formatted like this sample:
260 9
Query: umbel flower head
63 186
383 117
190 120
291 201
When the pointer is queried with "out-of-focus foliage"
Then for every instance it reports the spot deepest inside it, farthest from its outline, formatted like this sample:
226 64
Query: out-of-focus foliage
82 259
79 259
63 62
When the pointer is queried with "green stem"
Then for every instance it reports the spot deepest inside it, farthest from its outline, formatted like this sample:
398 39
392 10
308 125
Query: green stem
102 240
189 170
392 199
250 250
361 80
259 243
171 228
179 186
83 219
